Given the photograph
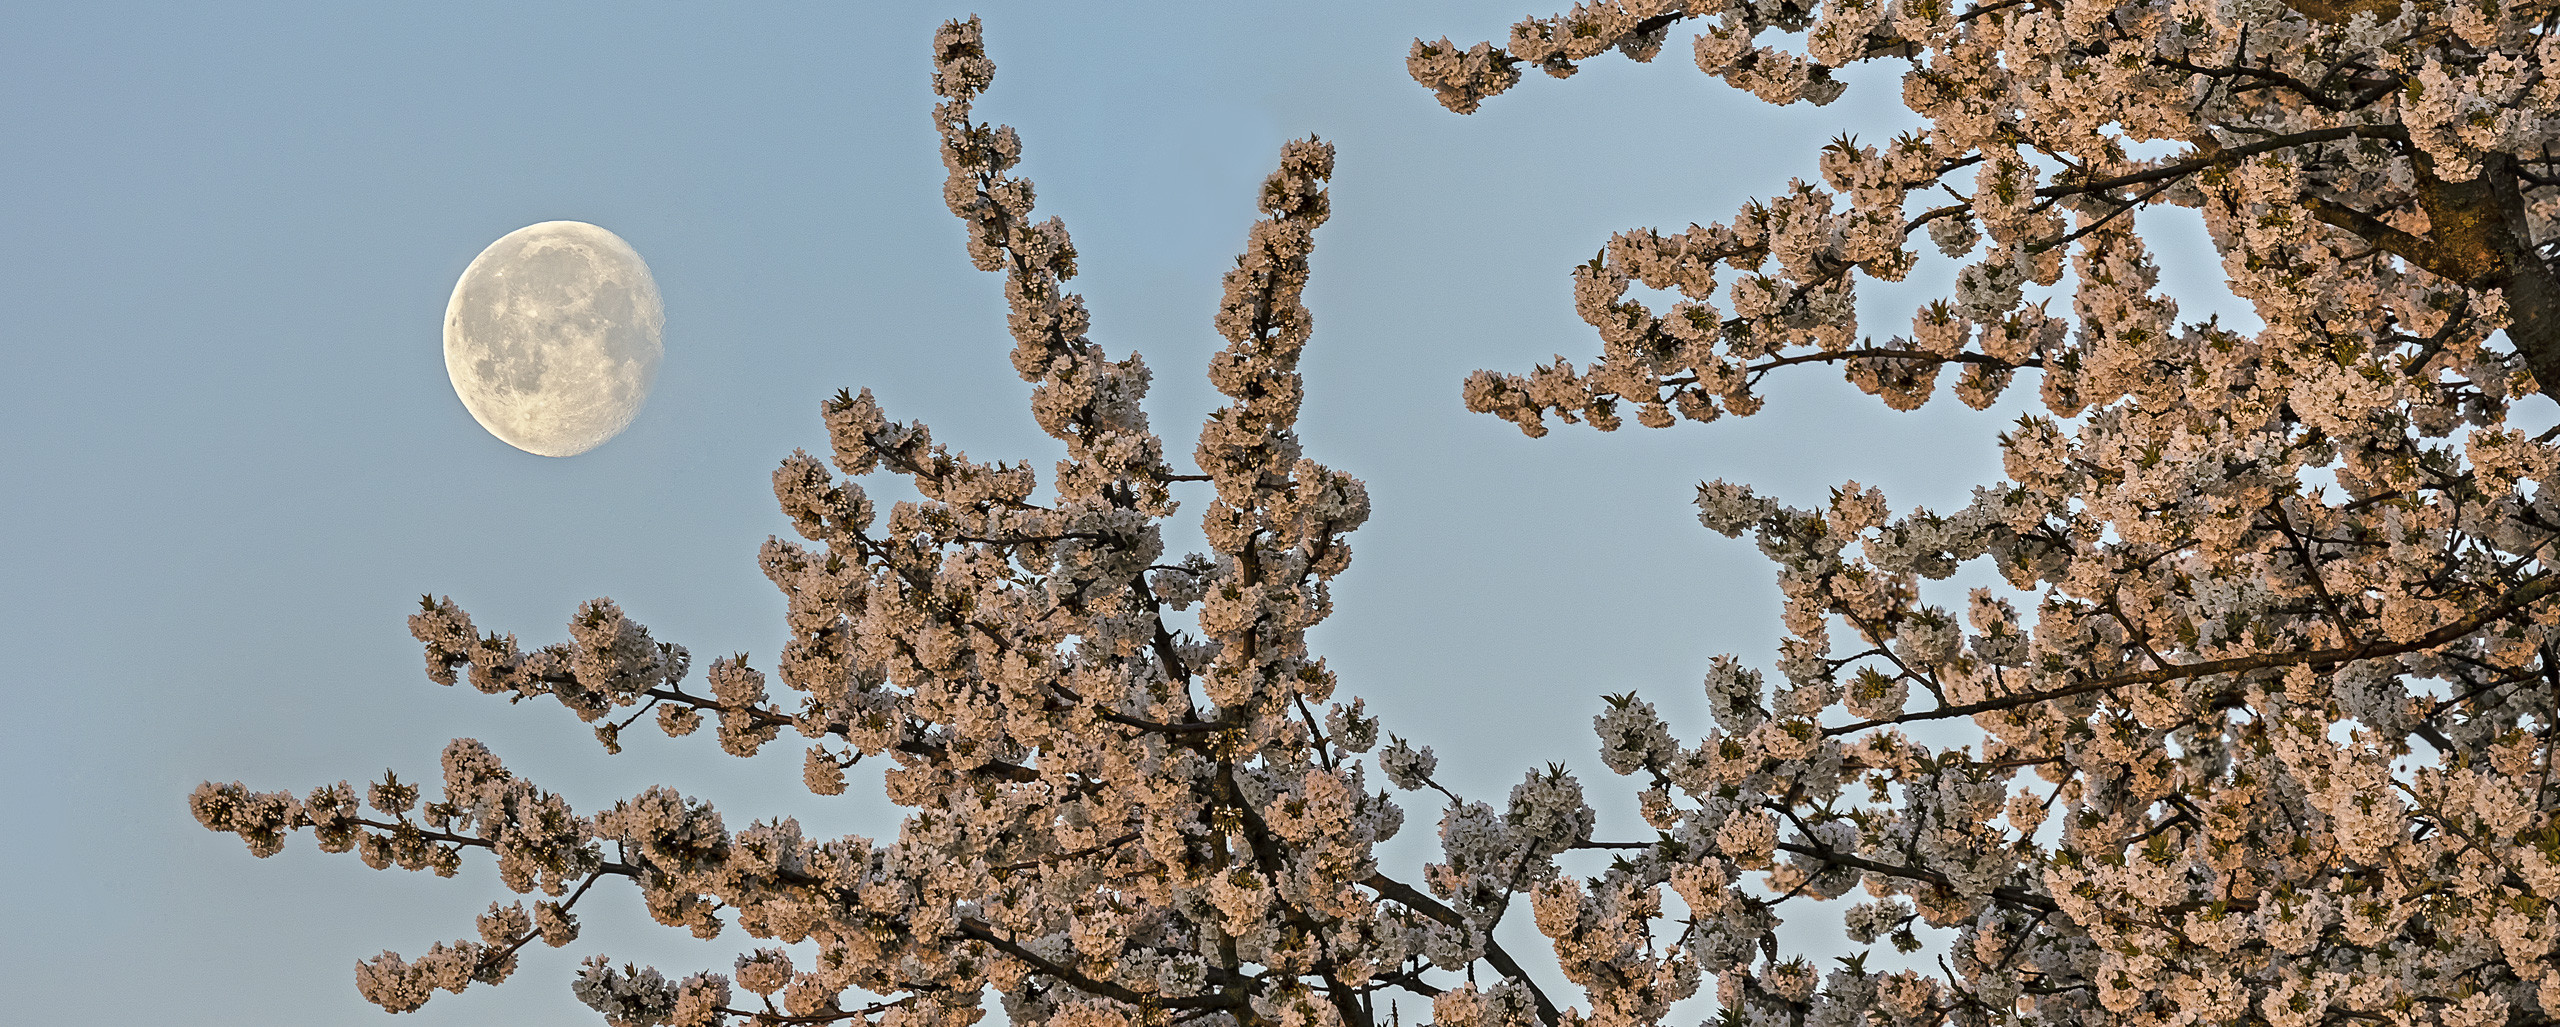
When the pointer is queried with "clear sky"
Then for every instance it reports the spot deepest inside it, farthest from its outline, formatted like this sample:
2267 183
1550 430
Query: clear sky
230 460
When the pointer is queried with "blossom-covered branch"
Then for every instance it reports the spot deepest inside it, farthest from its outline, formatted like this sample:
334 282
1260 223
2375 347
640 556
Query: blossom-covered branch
2275 641
1111 819
2260 711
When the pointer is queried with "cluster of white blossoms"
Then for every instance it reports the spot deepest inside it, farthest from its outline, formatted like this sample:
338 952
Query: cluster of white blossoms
2263 711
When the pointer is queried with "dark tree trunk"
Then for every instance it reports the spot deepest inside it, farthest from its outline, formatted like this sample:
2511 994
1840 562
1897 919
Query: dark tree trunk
2478 235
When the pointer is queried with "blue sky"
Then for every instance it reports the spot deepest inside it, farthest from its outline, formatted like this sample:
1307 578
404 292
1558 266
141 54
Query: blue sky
230 460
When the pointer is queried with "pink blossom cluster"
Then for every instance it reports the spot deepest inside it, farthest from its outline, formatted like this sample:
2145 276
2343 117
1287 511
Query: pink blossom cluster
2261 707
2263 711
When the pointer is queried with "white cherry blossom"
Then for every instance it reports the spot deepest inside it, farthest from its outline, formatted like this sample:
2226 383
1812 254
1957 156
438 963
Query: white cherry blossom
2261 708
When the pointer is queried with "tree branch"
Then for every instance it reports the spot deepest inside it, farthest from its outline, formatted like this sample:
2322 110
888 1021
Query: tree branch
2524 595
1397 891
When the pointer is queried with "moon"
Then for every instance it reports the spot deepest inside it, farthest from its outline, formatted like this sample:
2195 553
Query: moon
552 337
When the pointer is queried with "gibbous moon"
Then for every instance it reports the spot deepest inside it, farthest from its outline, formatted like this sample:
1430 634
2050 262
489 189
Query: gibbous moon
552 337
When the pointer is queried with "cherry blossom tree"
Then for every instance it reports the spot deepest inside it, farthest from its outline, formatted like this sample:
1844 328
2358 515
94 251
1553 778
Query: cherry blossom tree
2257 719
